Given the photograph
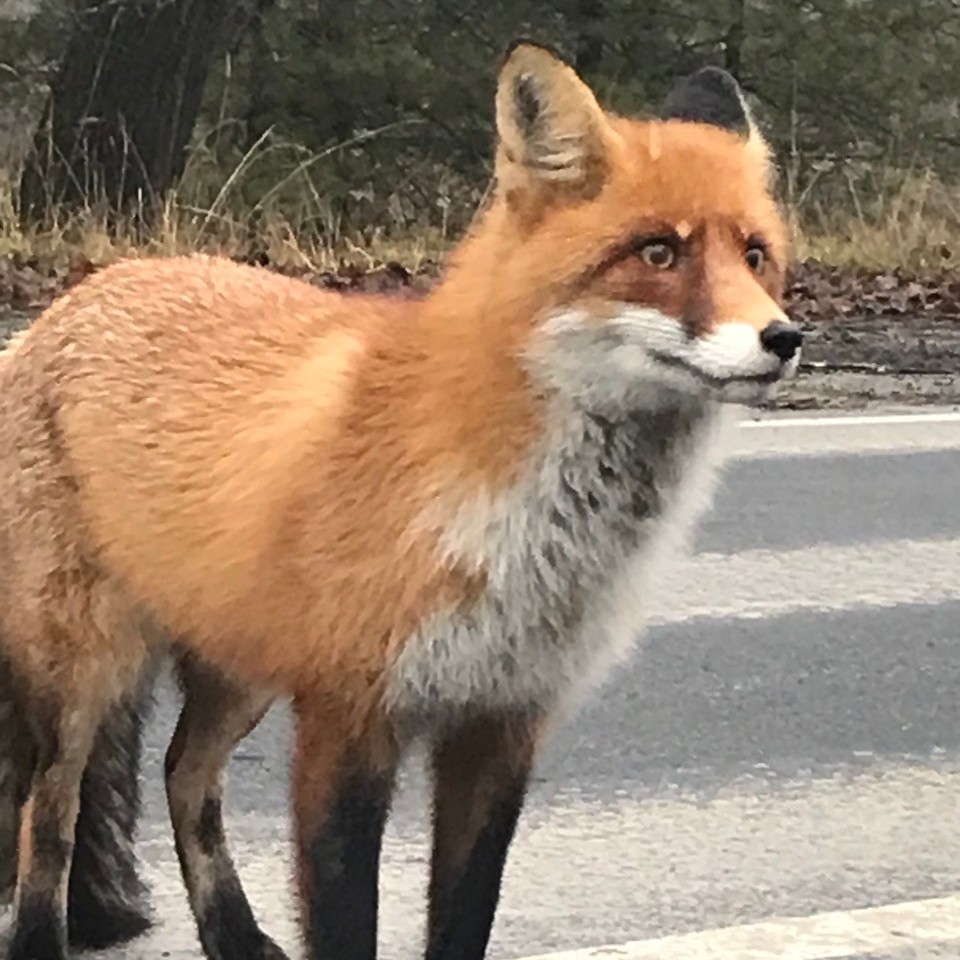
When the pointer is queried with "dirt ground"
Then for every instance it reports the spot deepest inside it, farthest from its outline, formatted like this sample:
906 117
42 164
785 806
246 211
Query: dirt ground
872 338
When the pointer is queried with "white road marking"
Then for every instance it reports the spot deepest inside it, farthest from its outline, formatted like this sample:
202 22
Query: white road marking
820 937
767 583
851 420
792 436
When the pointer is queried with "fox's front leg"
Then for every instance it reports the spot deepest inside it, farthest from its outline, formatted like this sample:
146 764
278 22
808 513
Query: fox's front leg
481 771
343 780
217 713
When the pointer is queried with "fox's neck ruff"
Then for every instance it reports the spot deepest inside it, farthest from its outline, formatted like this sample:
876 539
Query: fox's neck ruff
564 456
563 551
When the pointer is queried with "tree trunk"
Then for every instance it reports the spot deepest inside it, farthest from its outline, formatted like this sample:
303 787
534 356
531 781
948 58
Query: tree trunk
122 106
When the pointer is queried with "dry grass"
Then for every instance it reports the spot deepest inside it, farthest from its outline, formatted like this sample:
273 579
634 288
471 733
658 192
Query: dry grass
270 202
183 228
885 220
877 221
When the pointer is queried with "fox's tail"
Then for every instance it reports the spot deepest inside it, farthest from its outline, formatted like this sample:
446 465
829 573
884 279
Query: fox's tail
107 900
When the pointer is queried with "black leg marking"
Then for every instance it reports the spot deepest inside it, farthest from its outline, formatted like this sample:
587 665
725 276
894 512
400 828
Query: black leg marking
228 919
39 925
39 934
464 906
107 900
342 863
481 778
210 835
228 928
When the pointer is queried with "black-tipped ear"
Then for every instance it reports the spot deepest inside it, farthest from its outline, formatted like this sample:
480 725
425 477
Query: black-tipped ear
710 95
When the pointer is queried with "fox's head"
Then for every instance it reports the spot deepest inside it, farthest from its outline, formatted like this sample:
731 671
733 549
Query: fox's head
650 253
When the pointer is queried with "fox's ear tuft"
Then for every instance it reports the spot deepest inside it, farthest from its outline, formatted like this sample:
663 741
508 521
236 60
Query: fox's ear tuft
552 132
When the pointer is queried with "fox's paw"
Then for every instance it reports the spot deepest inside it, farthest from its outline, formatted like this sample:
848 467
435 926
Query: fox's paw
100 926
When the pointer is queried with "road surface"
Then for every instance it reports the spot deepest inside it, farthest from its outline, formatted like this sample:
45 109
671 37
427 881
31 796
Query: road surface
775 773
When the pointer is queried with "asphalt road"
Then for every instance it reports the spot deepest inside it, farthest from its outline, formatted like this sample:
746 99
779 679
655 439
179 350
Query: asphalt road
784 744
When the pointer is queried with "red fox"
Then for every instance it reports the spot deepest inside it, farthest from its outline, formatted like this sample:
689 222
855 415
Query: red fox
418 520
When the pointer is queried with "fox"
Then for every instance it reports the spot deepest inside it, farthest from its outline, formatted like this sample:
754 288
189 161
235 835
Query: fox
425 520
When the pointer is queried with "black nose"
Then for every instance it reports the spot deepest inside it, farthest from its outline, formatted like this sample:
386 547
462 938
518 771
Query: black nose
781 339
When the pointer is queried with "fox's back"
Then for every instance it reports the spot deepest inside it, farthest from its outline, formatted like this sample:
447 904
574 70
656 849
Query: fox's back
186 338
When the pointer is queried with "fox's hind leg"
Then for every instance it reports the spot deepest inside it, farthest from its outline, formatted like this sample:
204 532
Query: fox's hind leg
217 714
76 653
481 772
16 771
105 895
64 728
106 899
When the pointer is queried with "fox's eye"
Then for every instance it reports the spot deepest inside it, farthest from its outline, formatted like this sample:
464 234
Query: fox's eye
756 257
658 254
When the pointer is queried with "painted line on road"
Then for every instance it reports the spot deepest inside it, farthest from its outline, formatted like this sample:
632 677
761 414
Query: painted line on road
769 583
894 433
854 420
824 936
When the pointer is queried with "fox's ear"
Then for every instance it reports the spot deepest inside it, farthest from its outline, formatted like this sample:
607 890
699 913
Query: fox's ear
711 95
553 135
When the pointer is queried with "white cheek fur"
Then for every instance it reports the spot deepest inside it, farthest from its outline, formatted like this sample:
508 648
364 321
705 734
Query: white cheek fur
630 356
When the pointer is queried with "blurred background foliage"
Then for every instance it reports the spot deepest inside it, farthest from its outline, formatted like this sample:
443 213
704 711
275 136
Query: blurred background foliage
305 124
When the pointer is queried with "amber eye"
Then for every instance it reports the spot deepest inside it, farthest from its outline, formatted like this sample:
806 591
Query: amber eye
658 254
756 257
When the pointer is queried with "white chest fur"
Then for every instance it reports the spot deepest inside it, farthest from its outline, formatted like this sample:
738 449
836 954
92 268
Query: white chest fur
565 552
